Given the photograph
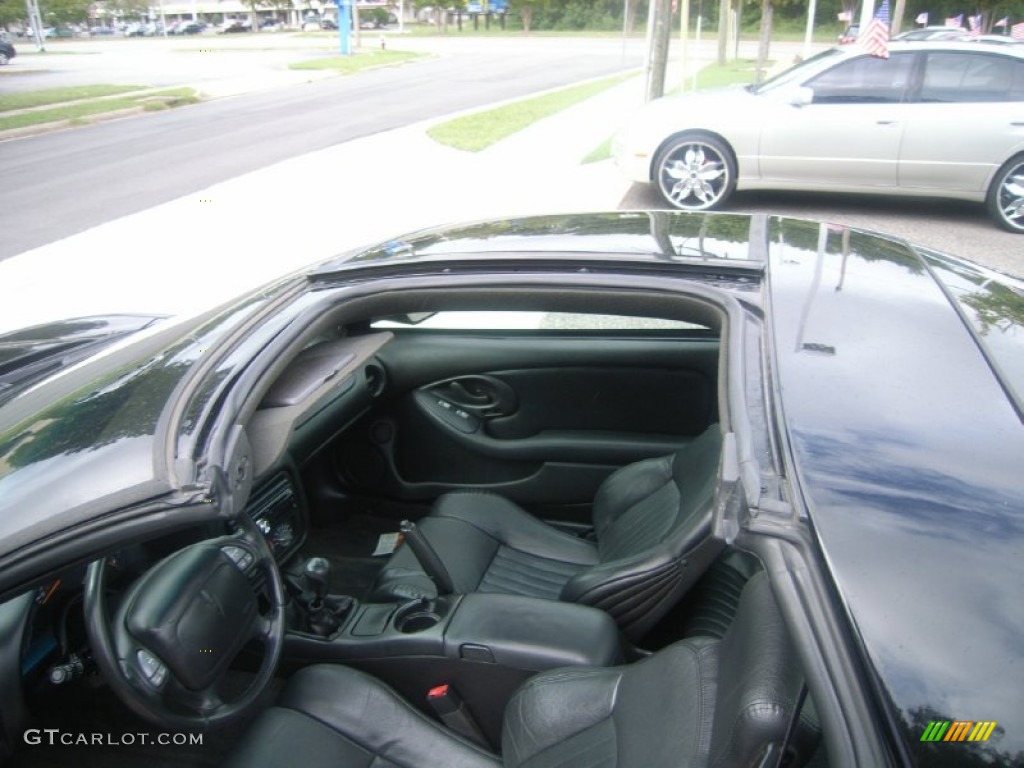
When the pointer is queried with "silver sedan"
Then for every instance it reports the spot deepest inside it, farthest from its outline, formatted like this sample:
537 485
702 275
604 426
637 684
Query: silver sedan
934 119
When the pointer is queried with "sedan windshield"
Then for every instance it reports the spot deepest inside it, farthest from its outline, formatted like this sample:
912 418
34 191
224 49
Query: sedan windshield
797 72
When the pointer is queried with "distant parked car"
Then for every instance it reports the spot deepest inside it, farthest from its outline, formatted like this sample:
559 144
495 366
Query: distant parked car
7 52
100 31
935 119
930 33
991 39
850 34
328 24
234 26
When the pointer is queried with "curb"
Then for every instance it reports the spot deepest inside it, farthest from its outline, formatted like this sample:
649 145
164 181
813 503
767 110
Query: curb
75 122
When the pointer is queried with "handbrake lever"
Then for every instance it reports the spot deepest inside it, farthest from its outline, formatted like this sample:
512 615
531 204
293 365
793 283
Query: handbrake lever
427 557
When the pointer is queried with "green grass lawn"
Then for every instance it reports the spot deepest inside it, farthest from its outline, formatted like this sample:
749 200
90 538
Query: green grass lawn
739 71
359 60
480 130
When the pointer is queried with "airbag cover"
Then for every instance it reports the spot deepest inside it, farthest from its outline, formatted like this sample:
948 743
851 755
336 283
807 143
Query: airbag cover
194 611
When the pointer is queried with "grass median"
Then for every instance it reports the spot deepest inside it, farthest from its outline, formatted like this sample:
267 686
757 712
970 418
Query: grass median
480 130
78 105
357 61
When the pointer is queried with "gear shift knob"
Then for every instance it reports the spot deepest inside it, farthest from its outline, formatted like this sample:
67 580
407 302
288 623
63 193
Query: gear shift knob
317 573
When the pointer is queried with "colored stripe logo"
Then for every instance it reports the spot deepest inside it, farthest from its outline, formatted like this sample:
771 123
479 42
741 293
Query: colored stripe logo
959 730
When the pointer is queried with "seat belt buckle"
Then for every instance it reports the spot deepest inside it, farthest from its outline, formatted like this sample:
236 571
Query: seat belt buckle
446 703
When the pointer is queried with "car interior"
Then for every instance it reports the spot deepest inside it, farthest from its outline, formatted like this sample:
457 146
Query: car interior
496 540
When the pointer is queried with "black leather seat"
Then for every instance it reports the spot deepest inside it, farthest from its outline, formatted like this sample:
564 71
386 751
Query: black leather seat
699 702
652 523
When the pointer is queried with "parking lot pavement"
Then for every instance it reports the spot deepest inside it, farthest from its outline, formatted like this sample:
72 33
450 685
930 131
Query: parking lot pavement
253 228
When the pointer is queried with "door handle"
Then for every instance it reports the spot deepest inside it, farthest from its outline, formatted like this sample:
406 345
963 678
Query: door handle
887 122
480 394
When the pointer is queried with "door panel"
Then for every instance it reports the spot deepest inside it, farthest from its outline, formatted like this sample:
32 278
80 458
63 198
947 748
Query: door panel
850 135
539 419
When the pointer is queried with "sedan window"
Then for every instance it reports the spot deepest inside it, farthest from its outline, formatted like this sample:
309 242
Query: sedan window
864 80
967 77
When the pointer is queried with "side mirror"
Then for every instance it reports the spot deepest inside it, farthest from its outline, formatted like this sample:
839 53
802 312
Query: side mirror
800 96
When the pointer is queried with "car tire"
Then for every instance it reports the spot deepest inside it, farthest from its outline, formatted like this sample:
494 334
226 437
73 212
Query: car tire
1006 196
695 172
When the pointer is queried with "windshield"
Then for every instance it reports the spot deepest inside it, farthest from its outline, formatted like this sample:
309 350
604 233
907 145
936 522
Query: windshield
798 72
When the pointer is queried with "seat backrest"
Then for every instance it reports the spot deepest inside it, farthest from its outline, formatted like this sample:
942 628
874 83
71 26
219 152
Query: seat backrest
700 702
653 524
638 507
759 682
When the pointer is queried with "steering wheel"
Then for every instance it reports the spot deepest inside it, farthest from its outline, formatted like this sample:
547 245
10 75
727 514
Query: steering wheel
176 631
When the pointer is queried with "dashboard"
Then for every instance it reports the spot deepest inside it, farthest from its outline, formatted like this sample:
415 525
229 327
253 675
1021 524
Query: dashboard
316 395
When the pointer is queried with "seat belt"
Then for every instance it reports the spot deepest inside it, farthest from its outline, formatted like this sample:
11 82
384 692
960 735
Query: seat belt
791 729
449 706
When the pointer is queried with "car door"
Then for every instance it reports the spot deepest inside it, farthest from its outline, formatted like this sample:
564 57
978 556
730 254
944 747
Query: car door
968 120
538 407
849 135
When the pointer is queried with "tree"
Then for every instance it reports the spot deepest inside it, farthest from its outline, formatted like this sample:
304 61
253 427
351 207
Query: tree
126 9
661 21
61 12
765 37
11 11
723 31
526 9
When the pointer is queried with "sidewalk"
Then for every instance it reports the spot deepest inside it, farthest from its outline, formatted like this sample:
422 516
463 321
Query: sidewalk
249 230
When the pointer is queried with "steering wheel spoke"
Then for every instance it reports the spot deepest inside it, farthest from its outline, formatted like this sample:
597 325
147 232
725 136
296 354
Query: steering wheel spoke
204 703
167 649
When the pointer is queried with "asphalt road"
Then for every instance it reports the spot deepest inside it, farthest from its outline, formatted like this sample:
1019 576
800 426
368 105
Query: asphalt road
59 184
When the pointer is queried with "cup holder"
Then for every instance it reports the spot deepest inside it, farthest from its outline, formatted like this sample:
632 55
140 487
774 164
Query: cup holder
416 621
416 616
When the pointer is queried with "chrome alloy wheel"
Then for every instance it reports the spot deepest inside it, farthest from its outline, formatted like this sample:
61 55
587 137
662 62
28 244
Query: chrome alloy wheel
695 173
1011 196
1006 197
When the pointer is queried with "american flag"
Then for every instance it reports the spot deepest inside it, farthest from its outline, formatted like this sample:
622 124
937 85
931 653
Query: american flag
1002 22
975 24
922 18
955 21
875 39
1017 31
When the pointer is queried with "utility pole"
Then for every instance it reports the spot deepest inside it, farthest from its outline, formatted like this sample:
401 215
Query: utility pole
36 20
661 33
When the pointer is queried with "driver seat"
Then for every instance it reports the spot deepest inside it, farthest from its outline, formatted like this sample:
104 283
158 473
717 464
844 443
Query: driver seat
699 702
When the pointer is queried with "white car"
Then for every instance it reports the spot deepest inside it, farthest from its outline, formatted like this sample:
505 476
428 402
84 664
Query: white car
938 119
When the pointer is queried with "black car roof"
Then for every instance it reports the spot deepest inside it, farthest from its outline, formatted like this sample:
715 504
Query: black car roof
908 453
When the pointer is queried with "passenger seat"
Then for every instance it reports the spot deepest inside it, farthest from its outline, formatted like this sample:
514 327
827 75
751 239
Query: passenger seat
652 524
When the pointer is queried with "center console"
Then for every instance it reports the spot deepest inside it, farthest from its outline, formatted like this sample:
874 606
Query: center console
478 647
482 645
